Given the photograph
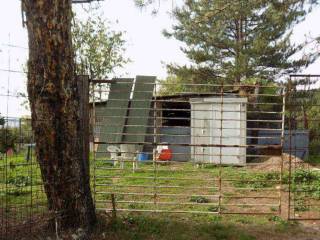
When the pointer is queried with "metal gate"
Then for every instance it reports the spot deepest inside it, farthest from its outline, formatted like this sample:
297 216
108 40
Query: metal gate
146 161
304 176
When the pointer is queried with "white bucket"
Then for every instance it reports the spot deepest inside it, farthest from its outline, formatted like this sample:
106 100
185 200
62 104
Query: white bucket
161 147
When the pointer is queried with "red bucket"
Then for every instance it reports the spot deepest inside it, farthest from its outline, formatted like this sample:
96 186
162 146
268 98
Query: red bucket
165 155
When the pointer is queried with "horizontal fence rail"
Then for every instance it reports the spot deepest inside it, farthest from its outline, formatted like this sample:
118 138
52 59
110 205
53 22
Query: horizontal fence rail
231 148
249 149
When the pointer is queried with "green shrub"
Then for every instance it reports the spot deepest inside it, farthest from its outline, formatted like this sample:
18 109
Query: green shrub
199 199
19 181
213 209
302 176
258 180
314 147
7 139
300 206
313 159
316 190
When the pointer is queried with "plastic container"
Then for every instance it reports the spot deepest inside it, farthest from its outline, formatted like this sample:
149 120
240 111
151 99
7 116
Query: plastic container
142 157
165 155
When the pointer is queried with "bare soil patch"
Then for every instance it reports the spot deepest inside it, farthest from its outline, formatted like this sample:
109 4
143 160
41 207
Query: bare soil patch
274 163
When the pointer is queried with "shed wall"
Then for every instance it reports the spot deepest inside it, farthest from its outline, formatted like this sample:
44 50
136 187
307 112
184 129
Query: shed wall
222 124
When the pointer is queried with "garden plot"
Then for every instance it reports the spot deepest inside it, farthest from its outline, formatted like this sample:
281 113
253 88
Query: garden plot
211 189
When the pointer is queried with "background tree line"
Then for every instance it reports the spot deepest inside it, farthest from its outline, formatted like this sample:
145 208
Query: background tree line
246 44
14 134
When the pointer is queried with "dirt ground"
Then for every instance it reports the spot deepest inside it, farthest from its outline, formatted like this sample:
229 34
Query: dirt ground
274 163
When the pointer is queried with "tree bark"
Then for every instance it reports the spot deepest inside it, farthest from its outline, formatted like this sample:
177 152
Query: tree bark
54 101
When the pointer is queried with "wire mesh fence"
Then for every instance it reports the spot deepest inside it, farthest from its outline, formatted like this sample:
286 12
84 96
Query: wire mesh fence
22 199
23 204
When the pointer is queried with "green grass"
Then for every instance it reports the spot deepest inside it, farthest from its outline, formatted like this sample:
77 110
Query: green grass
173 227
144 227
23 179
22 187
180 178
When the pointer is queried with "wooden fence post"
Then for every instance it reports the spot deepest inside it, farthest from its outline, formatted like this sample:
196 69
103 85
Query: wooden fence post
83 89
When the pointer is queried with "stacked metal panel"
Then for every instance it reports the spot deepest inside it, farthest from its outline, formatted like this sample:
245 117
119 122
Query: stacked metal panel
112 116
136 125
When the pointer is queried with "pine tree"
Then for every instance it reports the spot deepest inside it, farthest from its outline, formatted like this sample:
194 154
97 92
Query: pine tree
55 109
237 40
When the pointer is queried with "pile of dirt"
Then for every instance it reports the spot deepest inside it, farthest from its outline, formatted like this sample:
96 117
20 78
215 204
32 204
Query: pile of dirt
274 163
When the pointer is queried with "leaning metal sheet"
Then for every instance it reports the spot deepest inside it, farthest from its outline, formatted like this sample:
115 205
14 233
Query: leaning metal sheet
138 116
112 117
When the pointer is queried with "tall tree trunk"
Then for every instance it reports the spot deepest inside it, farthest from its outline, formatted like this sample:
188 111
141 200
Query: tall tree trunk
54 101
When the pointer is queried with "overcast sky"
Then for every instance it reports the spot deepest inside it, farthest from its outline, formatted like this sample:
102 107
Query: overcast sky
146 46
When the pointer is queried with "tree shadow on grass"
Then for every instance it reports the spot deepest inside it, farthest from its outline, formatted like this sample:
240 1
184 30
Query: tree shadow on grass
173 227
168 227
138 227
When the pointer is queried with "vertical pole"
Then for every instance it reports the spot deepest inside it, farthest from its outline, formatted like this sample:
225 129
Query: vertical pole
114 209
31 187
220 148
20 136
83 84
7 210
283 91
83 88
155 143
93 127
289 90
6 126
